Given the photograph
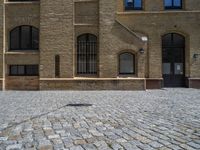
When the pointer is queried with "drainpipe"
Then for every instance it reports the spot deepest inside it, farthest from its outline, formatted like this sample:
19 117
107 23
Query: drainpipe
4 45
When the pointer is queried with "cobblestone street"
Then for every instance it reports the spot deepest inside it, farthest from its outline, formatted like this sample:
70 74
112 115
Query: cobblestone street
167 119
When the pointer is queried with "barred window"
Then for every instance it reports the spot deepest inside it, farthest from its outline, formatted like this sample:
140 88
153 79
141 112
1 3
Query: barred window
126 63
24 38
87 54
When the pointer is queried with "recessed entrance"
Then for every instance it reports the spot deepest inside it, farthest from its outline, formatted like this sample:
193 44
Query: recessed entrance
173 60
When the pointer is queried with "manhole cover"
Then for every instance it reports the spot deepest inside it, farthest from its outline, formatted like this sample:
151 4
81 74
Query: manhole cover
79 105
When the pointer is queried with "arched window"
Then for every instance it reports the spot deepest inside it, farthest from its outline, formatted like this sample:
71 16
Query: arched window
24 38
87 54
126 63
173 4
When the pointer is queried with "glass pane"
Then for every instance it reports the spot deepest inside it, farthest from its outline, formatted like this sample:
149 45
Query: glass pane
167 40
92 38
32 70
178 68
25 37
166 68
177 3
13 70
129 3
126 63
14 39
81 64
178 54
168 3
138 3
92 64
21 70
178 40
82 38
167 55
35 38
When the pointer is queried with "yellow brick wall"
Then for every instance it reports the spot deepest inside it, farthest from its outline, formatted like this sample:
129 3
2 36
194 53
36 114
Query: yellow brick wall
61 22
56 37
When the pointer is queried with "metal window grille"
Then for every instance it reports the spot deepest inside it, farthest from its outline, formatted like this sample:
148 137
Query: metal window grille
87 54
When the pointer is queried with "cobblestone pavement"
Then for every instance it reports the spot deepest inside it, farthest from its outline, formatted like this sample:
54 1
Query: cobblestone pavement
131 120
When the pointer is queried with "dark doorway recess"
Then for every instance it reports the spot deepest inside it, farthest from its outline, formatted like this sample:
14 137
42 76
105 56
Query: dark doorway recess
173 60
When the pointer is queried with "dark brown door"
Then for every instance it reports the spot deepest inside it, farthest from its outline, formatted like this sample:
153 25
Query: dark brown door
173 56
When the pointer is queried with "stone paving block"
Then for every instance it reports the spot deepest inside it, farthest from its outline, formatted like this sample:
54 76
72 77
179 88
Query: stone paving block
95 133
187 147
3 138
116 146
14 147
76 148
194 145
155 144
102 145
44 144
89 147
175 147
56 136
80 142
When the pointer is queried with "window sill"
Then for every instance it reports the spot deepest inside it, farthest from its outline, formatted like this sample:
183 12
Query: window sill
87 76
22 2
22 52
89 79
127 76
23 75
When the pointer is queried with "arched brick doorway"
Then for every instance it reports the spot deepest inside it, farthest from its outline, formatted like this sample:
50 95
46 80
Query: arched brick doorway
173 60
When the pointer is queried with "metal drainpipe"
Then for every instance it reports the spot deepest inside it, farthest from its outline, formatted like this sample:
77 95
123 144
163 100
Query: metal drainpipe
4 45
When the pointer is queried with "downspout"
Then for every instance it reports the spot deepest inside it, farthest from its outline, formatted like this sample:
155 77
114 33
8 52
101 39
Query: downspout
4 45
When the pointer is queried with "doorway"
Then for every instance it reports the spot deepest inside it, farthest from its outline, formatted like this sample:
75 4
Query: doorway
173 60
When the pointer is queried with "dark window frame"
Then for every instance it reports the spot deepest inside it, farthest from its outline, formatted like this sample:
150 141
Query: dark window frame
20 38
133 6
87 43
134 64
172 7
57 66
25 70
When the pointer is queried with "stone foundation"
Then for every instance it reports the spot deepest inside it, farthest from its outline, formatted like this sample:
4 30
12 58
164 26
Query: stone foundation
22 83
194 83
154 83
34 83
92 84
1 84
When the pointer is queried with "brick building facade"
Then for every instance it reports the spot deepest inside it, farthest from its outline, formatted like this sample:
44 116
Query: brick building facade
99 44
